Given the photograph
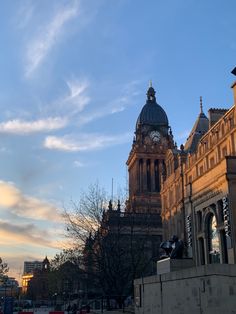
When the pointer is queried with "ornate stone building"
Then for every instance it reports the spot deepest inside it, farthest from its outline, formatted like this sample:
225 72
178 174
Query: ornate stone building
199 188
152 139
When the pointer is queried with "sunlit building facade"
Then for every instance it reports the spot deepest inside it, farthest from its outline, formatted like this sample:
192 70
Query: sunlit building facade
198 190
25 282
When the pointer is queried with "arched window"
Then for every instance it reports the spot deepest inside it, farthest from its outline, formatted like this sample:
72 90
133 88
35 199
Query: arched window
148 164
157 177
140 175
214 240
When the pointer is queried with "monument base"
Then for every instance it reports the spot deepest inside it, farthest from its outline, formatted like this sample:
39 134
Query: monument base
168 265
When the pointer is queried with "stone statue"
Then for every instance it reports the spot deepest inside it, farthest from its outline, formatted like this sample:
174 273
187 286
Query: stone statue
174 248
167 247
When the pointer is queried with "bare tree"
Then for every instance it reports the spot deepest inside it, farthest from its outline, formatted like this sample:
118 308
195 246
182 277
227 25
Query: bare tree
84 218
116 245
3 269
73 256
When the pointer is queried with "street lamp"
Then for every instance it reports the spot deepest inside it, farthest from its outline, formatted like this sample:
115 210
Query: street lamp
55 300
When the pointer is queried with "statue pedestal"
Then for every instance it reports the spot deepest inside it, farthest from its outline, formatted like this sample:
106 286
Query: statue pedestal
168 265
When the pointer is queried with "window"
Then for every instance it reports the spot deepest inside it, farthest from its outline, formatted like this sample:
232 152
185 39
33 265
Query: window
177 192
210 140
214 241
224 151
171 197
140 175
157 177
222 130
148 175
165 202
212 162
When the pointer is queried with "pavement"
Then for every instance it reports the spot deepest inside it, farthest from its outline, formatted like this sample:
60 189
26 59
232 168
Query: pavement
128 310
46 310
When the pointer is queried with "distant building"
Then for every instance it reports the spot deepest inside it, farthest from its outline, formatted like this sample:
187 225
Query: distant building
30 266
31 269
38 285
9 286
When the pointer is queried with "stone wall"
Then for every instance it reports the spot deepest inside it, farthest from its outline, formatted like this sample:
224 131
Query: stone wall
208 289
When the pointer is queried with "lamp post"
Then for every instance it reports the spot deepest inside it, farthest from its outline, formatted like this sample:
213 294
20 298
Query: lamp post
64 300
55 300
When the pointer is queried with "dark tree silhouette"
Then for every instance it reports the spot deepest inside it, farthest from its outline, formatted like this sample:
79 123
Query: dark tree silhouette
117 246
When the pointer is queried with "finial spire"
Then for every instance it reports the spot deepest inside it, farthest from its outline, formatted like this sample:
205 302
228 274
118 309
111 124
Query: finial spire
201 110
151 93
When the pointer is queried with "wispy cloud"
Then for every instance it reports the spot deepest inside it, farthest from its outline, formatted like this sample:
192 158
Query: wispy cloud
21 127
77 98
118 104
78 164
85 142
72 102
24 14
26 206
49 35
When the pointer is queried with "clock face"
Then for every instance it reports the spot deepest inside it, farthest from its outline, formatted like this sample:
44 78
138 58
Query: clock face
155 136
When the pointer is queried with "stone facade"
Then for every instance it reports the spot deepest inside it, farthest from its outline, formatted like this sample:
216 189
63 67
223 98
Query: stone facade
209 289
199 189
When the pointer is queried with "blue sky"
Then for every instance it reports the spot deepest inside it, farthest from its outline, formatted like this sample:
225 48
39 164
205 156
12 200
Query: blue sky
73 80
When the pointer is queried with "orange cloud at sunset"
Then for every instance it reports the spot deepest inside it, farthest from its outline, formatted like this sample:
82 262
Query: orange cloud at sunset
30 228
26 206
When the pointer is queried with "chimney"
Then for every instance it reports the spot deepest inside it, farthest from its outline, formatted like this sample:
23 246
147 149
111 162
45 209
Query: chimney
234 91
234 86
215 114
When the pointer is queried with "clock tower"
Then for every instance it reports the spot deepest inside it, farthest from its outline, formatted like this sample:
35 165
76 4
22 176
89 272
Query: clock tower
153 137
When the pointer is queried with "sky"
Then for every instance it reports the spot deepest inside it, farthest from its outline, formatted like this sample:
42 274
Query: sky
73 80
